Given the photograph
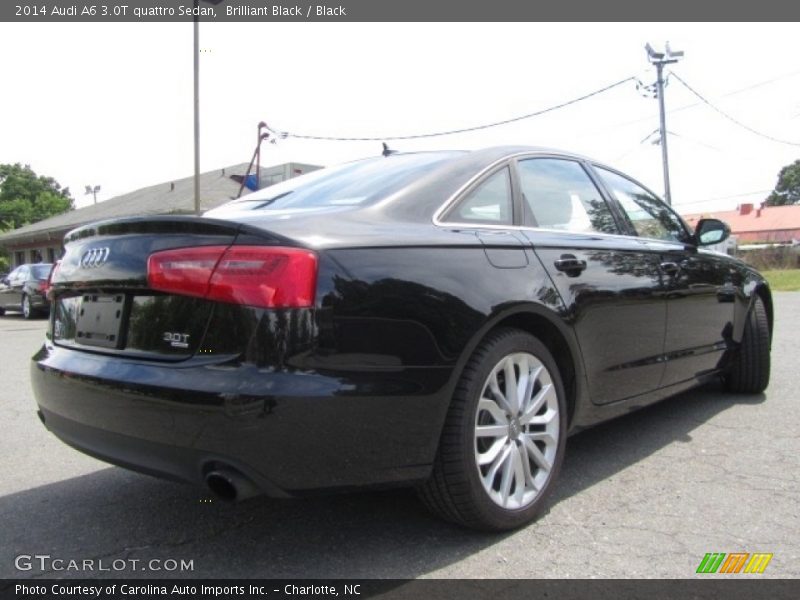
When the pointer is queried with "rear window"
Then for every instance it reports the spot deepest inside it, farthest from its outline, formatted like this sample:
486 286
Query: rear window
350 184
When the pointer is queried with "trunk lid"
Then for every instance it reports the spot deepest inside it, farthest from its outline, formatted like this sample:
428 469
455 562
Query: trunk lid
101 299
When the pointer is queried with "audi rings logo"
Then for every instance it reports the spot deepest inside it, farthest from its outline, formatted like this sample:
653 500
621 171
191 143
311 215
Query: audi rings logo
94 258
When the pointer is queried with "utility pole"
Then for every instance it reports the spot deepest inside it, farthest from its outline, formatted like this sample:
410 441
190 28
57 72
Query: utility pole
196 66
659 59
196 98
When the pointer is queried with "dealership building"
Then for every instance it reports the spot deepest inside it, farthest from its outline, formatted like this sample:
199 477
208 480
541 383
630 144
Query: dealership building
42 241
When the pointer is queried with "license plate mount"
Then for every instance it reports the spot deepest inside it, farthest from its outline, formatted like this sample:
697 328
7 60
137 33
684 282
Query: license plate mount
100 320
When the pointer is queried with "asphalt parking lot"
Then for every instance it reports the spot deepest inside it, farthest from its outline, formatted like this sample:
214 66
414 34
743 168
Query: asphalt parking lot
646 495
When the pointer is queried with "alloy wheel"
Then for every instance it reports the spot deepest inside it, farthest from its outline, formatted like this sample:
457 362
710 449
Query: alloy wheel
516 430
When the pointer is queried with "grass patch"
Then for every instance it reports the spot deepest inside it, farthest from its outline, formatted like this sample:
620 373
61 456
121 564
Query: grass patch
783 280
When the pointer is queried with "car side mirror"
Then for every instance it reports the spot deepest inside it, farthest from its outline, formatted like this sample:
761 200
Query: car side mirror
711 231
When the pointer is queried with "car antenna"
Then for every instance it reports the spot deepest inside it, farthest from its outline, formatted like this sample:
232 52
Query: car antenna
387 151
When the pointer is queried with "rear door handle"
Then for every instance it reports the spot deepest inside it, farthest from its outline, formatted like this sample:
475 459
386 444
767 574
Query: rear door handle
570 264
670 268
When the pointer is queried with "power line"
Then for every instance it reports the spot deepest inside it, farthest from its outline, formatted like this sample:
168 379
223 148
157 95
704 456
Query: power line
693 104
693 140
287 134
761 83
730 118
696 141
678 205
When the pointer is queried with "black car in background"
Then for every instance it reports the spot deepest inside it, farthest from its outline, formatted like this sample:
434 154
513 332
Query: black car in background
440 319
24 290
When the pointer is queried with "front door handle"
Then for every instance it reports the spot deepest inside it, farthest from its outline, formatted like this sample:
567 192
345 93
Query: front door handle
570 264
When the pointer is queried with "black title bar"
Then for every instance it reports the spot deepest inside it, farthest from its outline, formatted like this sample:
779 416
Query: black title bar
731 588
401 10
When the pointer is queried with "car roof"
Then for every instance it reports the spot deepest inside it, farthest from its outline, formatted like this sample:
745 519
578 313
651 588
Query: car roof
425 195
414 201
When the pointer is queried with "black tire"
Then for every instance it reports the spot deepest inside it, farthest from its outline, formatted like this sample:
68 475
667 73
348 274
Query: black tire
2 311
27 309
749 371
455 490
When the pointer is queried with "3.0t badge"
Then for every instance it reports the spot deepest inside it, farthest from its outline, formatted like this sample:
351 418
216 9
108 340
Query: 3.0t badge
176 340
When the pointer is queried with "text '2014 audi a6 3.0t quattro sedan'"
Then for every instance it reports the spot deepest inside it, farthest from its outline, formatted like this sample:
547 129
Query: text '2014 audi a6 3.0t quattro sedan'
437 319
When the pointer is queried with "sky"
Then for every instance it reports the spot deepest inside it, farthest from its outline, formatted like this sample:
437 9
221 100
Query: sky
111 104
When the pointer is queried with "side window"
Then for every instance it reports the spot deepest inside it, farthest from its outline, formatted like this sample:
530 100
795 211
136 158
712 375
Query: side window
558 194
20 274
651 218
490 203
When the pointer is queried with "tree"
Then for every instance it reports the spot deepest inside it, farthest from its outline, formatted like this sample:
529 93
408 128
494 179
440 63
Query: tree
787 190
26 197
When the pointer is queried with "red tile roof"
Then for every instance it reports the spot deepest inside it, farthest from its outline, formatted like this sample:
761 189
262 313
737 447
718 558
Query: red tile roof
776 223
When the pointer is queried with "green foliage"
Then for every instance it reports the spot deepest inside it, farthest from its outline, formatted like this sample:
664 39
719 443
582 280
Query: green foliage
26 197
784 280
787 190
771 258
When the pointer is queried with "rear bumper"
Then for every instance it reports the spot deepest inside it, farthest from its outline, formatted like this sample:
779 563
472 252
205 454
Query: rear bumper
153 458
39 302
289 432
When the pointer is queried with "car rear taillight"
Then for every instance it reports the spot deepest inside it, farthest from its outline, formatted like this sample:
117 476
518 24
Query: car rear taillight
265 276
47 286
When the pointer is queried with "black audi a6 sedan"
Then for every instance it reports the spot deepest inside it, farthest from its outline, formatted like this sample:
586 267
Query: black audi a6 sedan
439 319
24 290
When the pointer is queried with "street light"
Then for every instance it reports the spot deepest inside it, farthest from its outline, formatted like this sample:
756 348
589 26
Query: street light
659 59
93 191
197 102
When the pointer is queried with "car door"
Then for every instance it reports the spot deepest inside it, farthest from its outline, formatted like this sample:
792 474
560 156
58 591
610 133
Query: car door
699 288
12 294
609 283
5 289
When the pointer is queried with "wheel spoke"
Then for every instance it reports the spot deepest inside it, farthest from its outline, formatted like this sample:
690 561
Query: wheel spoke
508 474
536 455
542 436
511 386
499 397
526 393
488 480
522 382
526 467
544 419
537 403
485 458
519 473
491 431
497 412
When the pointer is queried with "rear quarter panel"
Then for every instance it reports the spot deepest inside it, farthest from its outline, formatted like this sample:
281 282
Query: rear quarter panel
408 318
